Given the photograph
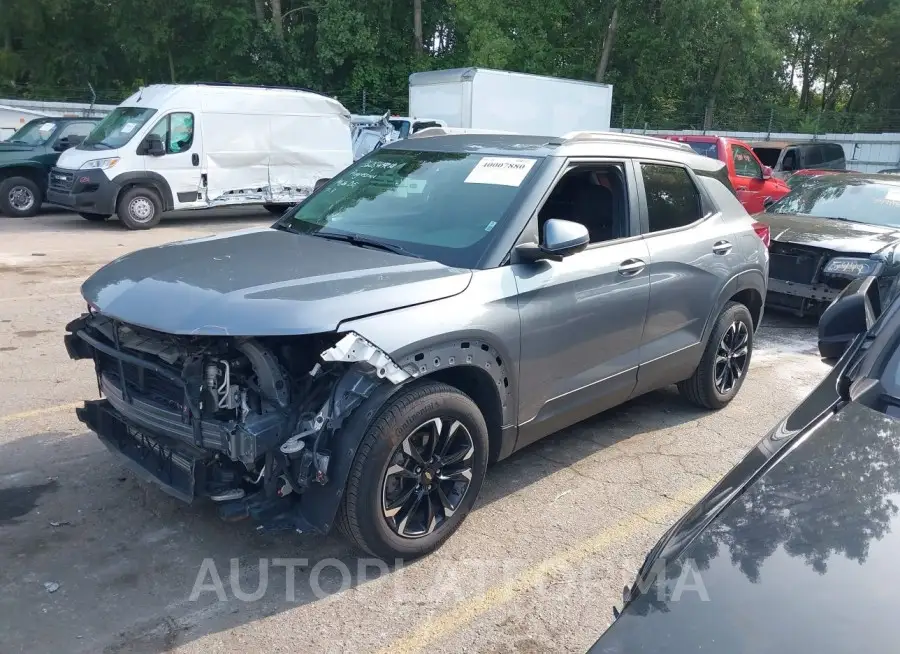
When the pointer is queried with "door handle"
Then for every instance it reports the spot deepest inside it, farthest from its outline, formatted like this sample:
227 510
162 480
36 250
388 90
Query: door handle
741 188
631 267
195 159
722 247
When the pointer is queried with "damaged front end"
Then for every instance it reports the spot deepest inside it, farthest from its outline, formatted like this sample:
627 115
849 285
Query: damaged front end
250 423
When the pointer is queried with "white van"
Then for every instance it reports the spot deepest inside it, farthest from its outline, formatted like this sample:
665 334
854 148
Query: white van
198 146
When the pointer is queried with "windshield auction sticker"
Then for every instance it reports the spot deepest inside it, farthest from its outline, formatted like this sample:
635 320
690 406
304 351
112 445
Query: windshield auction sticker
505 171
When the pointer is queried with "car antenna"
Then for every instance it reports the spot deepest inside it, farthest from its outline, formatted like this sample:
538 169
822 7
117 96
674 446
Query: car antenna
140 93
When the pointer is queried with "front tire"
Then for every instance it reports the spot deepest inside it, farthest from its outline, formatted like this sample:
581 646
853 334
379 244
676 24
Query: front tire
20 197
139 208
417 473
725 362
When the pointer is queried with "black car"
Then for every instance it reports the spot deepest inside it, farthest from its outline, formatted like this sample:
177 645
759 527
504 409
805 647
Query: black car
828 231
794 550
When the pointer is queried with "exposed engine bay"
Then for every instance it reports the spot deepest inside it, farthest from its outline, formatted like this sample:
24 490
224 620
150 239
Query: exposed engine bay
247 422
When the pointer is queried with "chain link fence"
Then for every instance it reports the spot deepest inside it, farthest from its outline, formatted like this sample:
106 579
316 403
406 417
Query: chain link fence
676 116
769 119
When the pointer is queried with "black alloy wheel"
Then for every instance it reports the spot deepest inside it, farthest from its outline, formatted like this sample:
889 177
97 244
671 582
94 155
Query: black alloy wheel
731 357
429 476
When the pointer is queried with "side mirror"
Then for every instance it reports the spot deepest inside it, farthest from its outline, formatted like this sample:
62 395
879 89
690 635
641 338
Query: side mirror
153 146
767 172
851 313
561 238
67 142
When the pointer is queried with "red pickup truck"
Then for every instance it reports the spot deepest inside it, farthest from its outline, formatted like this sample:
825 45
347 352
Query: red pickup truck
752 181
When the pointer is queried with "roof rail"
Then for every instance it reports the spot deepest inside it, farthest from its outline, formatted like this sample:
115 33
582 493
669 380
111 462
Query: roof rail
622 137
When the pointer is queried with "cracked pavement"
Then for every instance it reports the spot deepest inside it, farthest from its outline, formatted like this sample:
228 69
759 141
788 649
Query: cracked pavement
558 530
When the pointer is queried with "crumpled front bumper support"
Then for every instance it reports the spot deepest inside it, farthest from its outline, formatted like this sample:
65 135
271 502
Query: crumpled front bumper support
177 470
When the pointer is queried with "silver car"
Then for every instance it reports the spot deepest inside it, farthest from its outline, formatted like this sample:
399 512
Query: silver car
440 304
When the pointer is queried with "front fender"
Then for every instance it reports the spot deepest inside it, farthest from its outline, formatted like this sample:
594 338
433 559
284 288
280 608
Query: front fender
32 166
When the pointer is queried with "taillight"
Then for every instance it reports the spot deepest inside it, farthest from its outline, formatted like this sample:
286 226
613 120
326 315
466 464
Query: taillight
762 230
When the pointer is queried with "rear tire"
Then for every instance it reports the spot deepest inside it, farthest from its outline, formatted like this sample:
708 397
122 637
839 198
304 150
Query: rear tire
725 361
139 208
95 217
373 513
20 197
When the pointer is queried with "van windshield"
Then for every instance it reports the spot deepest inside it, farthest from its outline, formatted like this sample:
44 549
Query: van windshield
442 206
117 128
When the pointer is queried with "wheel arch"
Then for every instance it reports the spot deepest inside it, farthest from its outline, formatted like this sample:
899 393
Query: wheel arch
34 172
747 287
478 384
472 366
147 179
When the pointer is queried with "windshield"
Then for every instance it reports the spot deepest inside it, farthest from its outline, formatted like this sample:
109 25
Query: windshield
859 199
117 128
768 156
443 206
710 150
35 132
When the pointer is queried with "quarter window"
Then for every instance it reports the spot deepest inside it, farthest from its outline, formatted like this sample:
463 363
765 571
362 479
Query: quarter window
176 131
672 198
745 164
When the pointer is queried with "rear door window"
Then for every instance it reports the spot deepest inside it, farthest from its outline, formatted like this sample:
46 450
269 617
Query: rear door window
672 198
812 156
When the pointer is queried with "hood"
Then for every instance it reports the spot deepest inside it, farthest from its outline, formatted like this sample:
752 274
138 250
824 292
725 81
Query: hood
828 233
263 282
7 148
802 562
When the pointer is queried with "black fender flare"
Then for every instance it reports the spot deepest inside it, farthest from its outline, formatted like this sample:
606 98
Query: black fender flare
145 178
319 503
744 280
38 172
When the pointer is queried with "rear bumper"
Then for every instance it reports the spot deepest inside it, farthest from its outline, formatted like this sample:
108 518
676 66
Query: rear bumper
175 468
87 191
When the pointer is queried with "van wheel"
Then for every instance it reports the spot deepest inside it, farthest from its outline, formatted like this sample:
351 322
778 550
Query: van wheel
20 197
416 473
277 209
139 208
725 362
94 217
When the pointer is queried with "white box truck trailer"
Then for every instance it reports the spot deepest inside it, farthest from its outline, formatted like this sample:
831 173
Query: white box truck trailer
481 98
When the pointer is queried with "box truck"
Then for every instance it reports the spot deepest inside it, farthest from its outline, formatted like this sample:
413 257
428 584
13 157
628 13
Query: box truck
516 102
196 146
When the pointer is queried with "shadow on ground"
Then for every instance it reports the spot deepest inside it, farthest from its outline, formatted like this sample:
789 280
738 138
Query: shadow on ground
127 557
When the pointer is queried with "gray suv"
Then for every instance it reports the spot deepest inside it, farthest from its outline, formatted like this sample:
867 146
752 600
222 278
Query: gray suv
440 304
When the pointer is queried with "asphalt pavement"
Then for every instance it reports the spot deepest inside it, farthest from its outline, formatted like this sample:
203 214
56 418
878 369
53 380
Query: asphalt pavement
92 560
